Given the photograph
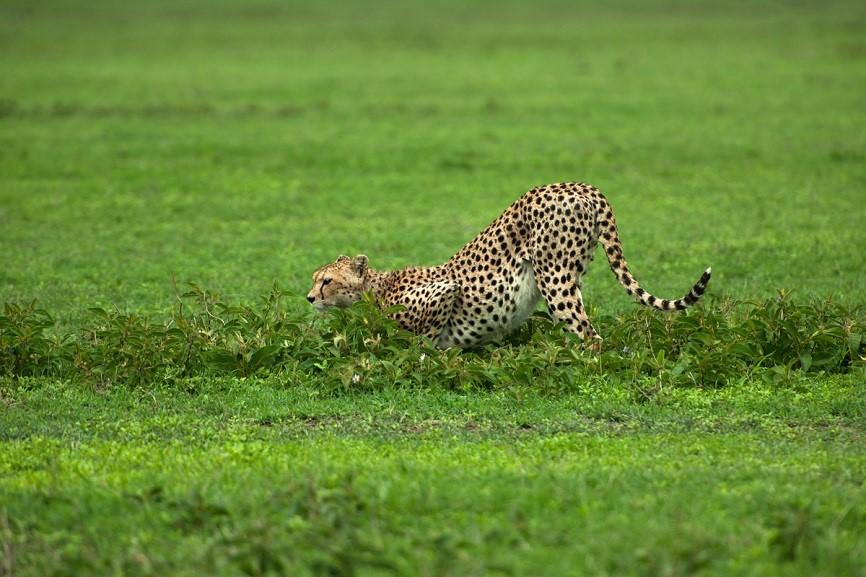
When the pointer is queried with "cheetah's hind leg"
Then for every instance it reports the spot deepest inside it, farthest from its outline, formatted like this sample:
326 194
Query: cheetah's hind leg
560 287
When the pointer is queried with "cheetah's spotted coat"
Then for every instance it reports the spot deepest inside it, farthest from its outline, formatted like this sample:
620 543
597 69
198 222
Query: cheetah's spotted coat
539 247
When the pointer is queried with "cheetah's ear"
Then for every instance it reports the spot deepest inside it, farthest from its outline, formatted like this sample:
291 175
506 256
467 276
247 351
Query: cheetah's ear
360 264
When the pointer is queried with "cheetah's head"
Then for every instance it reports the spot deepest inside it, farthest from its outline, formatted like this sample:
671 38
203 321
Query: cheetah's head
340 283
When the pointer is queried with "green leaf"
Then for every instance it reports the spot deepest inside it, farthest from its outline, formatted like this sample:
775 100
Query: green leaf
99 312
263 356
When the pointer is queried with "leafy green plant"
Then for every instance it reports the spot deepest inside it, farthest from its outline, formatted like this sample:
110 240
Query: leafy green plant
27 348
239 340
361 347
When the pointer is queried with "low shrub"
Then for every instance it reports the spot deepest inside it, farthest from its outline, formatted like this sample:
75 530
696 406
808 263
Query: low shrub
361 347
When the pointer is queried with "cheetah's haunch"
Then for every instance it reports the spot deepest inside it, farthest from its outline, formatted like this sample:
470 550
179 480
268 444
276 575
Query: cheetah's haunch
539 247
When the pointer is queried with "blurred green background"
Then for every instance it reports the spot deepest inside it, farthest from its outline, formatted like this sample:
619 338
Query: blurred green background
238 143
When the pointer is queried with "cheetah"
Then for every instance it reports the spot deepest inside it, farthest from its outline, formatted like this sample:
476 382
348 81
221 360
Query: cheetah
538 248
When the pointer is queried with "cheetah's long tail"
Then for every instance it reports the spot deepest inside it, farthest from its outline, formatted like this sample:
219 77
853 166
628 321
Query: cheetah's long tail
609 238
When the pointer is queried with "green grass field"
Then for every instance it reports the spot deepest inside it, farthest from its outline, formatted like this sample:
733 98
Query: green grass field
234 144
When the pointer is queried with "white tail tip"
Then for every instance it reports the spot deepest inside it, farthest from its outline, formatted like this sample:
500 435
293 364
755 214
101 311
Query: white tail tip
709 270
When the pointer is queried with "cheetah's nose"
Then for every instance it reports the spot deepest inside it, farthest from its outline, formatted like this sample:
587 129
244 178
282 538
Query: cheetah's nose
311 298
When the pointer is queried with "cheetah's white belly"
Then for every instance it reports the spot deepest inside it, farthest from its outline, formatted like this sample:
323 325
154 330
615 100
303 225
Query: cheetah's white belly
498 319
525 298
524 295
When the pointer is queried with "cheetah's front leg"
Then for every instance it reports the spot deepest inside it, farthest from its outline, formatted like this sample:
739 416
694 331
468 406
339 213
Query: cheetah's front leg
428 307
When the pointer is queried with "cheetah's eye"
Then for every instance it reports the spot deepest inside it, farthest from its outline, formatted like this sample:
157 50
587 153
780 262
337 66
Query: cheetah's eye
326 281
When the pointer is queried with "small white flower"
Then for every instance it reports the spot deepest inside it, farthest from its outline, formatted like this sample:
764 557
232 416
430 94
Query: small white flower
356 378
422 357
